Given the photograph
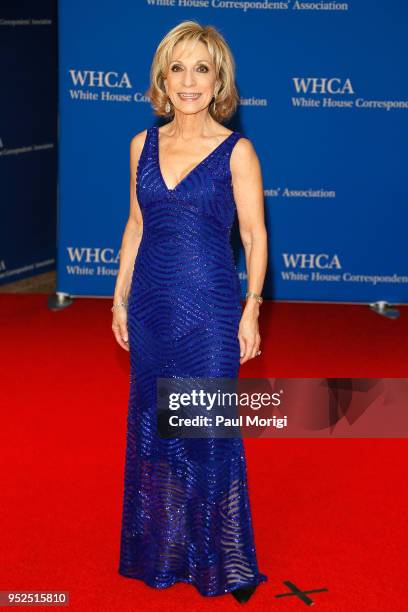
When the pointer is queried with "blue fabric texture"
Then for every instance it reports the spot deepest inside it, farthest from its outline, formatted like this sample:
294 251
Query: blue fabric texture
186 509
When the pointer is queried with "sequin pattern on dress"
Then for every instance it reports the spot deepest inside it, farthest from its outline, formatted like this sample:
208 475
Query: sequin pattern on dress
186 510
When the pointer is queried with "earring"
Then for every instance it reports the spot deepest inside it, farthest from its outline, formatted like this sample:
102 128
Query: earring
167 108
215 97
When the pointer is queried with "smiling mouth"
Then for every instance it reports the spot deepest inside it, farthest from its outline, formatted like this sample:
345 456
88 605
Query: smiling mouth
189 96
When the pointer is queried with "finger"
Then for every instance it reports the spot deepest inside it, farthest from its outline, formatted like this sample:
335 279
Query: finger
242 346
123 331
118 337
255 350
124 345
258 350
248 350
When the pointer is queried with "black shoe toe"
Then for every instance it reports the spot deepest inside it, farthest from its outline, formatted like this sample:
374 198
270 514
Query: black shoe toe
242 595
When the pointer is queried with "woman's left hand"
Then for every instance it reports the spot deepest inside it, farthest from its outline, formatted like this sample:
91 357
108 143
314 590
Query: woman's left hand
248 336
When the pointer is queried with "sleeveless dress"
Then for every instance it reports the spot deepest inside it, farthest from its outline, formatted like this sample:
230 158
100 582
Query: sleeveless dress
186 511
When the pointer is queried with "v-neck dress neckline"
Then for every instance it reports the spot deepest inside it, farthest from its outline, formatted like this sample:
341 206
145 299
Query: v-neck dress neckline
193 170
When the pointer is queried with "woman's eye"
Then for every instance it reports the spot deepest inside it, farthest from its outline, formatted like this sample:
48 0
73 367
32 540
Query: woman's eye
176 67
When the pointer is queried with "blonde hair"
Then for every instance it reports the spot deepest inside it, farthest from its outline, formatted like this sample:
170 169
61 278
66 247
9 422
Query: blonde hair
227 97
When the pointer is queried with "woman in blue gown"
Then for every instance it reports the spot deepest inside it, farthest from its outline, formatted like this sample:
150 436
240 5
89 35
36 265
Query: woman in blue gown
177 309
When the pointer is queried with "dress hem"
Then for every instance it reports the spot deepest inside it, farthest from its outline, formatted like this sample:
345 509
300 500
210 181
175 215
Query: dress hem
261 578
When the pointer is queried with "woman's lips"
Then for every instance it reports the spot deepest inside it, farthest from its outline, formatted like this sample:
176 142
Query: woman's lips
189 97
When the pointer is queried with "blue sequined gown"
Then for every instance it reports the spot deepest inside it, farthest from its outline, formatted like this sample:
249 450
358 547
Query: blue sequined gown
186 511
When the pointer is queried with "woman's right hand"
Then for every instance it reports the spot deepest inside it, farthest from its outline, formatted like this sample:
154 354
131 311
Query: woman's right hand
119 327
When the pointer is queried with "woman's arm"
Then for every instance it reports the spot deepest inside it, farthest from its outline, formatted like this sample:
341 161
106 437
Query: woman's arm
249 198
131 238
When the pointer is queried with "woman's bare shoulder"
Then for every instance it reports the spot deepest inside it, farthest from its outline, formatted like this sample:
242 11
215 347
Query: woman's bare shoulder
136 146
244 161
137 141
243 150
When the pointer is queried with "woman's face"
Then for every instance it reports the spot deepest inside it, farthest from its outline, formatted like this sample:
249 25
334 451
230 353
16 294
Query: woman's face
191 78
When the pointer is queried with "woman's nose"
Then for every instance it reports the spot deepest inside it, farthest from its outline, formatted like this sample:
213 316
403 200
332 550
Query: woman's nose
188 78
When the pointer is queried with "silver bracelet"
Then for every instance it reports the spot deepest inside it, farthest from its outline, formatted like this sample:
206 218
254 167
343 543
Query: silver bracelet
119 305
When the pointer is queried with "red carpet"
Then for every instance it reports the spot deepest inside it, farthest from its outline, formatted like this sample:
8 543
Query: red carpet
328 514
